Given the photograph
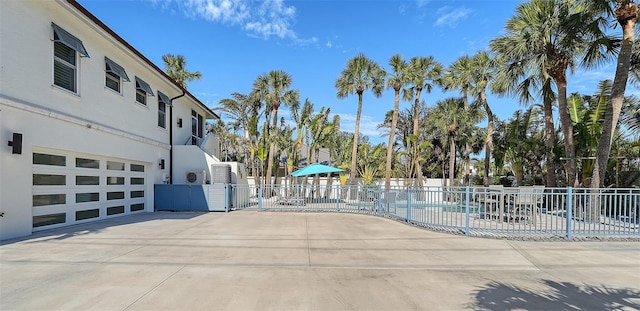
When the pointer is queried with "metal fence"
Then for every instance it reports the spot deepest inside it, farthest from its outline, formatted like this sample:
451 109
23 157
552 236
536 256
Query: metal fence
539 211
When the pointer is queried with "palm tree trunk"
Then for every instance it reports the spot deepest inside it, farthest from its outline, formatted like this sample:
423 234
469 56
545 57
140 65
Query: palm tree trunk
549 142
354 152
416 118
467 150
392 132
316 178
452 159
272 151
488 140
567 132
626 14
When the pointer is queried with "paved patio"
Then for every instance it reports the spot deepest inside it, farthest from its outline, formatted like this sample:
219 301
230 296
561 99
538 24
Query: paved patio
250 260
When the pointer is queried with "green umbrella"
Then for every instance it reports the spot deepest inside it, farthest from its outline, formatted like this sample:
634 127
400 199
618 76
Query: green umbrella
315 168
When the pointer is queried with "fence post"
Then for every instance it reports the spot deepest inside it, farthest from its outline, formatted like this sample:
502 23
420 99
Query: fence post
380 201
227 198
409 204
337 198
260 197
467 199
569 213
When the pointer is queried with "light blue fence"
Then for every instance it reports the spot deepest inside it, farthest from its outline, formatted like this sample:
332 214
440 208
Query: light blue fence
474 211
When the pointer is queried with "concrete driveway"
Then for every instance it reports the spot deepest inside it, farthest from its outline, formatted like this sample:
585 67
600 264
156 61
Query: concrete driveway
250 260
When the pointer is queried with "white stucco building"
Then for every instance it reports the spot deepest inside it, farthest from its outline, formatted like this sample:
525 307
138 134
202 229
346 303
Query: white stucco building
91 121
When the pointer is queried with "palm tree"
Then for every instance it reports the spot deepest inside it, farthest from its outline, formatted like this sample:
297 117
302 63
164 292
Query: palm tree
274 89
397 81
361 74
176 68
459 75
546 38
484 67
450 115
626 13
425 73
246 111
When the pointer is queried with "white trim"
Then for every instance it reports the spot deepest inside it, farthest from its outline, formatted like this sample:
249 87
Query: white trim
36 109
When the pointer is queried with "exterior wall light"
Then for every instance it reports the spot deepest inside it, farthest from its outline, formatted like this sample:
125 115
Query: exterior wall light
16 143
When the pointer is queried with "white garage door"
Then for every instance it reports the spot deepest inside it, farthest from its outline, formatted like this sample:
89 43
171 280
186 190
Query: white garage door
73 188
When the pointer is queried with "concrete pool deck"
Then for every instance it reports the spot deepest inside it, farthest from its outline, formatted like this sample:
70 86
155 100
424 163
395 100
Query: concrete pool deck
249 260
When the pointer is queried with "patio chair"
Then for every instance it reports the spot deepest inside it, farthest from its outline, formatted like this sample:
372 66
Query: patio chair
290 201
487 199
525 205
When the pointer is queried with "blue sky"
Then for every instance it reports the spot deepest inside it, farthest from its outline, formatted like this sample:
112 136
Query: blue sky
231 42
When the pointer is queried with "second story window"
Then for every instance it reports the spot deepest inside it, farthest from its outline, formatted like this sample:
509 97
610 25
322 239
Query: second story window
114 75
66 48
143 90
196 127
163 103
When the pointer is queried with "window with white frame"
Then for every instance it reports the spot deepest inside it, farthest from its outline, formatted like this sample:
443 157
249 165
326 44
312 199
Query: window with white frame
143 90
163 102
66 48
114 75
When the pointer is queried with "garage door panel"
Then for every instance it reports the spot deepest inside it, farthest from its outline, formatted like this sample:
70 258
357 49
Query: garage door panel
73 188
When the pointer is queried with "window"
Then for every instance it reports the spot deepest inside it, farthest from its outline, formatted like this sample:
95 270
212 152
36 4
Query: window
49 199
115 210
87 197
196 128
137 207
115 166
137 181
137 194
49 159
65 61
115 180
87 180
119 195
88 214
87 163
46 220
137 168
49 180
163 102
114 73
142 91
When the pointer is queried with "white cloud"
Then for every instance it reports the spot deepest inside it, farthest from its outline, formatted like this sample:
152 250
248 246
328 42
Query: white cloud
449 17
269 18
422 3
368 126
329 44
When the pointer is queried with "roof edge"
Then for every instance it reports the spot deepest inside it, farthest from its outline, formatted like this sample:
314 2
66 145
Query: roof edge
112 33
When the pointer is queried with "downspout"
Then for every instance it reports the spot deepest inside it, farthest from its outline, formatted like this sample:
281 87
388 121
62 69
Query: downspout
171 135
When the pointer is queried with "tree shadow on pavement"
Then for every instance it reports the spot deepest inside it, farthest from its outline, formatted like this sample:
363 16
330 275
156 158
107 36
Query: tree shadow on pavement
555 296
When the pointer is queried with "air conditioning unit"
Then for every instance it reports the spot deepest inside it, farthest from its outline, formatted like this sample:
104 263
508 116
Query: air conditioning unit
196 177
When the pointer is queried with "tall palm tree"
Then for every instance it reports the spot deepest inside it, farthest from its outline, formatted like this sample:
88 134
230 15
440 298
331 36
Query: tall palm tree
626 13
245 110
459 75
546 38
176 67
361 74
274 88
399 78
484 73
451 116
425 73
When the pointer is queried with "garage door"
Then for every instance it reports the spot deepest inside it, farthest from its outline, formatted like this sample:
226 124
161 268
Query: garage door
71 188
